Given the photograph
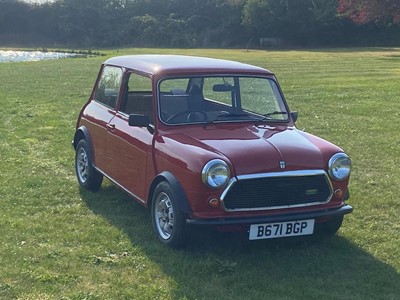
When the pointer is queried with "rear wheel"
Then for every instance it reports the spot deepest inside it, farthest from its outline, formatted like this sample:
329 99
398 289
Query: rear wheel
88 177
168 221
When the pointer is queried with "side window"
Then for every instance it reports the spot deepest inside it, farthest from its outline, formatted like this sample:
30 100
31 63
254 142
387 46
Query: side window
138 83
108 87
176 86
138 96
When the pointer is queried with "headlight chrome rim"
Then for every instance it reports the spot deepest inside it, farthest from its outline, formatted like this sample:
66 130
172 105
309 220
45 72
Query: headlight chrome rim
339 166
215 173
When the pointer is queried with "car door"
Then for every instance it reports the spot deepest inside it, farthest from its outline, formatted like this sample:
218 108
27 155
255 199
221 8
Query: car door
131 146
100 112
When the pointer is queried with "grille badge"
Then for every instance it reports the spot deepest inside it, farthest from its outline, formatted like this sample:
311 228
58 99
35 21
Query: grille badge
282 164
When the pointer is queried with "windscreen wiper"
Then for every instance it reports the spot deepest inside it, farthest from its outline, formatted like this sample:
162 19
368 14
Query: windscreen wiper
232 115
227 115
274 113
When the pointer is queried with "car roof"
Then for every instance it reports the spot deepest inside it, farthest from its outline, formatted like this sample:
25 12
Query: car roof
180 64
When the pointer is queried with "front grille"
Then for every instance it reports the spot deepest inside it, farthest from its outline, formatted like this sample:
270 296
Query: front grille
278 191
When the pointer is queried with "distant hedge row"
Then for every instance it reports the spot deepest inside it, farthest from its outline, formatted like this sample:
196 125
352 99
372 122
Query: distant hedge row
187 23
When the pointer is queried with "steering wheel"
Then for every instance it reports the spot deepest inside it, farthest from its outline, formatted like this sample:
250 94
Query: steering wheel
190 114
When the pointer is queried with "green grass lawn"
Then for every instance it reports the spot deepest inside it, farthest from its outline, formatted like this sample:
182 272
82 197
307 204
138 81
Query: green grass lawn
58 242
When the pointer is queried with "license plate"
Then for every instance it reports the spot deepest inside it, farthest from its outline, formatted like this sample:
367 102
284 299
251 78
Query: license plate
282 229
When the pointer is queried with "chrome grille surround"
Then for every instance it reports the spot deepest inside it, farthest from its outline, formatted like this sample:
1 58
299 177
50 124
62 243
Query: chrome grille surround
321 175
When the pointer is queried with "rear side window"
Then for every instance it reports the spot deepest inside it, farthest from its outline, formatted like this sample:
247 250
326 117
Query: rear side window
108 88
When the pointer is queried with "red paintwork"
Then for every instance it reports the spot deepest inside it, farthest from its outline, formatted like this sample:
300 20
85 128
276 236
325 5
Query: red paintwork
133 157
185 150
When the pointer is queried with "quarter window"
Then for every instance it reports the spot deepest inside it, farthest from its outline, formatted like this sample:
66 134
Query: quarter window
108 88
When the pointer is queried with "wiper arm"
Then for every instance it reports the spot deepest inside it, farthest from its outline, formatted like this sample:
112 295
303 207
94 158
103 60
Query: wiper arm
232 115
227 115
275 113
268 115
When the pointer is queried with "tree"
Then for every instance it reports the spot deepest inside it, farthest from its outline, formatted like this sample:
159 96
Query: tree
17 23
89 22
300 22
185 23
199 23
366 11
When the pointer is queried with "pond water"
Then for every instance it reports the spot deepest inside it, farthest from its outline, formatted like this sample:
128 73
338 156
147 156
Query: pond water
16 56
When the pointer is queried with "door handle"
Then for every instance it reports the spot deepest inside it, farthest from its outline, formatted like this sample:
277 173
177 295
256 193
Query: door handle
110 127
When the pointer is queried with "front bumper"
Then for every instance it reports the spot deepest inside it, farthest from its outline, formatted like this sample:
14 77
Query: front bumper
346 209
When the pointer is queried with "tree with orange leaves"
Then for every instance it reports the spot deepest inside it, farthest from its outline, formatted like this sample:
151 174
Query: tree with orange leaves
366 11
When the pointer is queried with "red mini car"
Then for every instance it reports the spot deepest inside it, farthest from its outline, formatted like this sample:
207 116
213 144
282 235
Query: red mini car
205 141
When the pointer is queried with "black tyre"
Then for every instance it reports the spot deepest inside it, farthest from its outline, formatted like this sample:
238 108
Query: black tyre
168 222
332 225
88 177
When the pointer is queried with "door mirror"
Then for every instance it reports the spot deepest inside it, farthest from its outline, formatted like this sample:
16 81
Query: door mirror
139 120
294 115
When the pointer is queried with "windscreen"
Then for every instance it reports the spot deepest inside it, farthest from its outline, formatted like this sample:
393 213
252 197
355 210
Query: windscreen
220 99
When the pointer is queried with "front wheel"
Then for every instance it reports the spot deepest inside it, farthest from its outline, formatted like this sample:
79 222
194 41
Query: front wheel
168 222
88 177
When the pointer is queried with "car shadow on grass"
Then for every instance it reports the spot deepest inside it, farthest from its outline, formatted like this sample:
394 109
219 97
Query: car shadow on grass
217 265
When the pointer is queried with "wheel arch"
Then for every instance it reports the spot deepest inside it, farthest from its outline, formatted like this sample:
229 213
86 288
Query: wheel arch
176 186
82 133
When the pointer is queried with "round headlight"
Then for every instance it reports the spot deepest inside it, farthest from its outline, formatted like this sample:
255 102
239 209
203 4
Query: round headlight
339 166
215 173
